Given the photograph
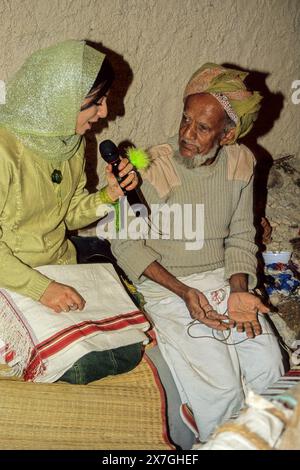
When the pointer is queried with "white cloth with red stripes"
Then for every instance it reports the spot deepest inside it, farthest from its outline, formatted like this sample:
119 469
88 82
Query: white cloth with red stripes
41 345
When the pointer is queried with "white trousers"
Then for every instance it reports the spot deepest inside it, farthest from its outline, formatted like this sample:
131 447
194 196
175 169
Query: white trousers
211 376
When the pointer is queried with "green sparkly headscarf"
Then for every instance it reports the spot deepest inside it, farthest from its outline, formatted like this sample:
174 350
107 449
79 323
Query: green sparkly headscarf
44 97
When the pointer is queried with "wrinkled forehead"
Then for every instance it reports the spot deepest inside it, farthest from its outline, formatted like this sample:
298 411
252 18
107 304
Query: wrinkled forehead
204 106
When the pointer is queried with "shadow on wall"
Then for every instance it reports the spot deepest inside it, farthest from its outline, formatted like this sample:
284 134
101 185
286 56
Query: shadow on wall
271 107
115 102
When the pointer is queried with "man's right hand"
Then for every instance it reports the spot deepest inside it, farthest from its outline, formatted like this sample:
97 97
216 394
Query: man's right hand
196 302
201 310
62 298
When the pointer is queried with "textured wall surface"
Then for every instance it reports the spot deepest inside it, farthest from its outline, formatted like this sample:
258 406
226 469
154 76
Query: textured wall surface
164 41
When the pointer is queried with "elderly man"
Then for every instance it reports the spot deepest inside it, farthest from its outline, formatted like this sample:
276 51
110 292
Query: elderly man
210 329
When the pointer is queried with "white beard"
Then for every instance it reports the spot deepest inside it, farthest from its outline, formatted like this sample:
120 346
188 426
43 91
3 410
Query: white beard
197 160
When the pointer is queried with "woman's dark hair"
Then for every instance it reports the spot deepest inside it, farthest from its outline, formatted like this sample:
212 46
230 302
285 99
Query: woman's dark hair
102 83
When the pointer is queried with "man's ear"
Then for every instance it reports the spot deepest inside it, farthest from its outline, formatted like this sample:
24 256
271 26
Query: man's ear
228 137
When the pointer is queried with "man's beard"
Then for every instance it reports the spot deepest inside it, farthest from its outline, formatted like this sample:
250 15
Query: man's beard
198 159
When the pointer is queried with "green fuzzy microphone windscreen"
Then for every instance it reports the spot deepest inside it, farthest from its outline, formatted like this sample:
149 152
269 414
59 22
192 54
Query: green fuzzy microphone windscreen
138 157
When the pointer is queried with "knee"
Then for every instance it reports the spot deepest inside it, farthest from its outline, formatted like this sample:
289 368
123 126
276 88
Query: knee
93 366
235 393
99 364
232 395
226 396
127 357
271 368
75 375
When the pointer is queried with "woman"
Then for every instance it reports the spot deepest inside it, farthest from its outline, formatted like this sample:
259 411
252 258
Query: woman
51 102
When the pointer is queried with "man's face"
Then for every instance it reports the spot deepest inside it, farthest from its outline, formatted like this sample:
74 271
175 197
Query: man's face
201 126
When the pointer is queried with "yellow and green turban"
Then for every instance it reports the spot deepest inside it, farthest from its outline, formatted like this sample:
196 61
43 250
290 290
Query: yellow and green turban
227 86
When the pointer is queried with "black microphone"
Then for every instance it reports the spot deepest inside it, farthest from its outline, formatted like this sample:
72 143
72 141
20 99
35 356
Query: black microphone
110 153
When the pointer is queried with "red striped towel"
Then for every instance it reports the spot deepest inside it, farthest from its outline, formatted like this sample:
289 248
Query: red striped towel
41 345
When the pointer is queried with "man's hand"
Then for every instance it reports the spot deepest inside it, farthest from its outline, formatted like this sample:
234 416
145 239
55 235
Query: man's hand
62 298
196 302
114 190
267 231
243 309
202 311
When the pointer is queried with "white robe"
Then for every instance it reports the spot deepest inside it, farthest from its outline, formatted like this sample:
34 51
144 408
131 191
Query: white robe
210 375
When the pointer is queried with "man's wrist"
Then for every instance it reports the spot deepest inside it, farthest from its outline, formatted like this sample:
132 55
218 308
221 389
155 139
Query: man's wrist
238 283
180 289
159 274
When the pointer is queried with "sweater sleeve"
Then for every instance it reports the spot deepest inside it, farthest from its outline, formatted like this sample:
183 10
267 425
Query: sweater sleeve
134 256
15 275
85 208
240 249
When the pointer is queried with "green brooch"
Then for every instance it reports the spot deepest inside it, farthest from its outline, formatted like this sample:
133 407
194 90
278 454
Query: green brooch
56 176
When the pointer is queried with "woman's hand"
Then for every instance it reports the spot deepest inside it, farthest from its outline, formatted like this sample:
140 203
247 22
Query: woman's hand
202 311
62 298
114 189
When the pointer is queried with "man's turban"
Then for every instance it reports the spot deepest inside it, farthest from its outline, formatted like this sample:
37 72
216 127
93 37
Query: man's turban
227 86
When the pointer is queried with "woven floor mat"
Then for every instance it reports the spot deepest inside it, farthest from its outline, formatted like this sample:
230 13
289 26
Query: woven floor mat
122 412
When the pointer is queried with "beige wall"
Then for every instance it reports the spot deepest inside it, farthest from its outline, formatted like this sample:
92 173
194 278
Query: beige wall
164 41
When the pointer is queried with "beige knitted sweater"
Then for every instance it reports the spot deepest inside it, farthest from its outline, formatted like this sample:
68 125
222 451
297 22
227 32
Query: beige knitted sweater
223 190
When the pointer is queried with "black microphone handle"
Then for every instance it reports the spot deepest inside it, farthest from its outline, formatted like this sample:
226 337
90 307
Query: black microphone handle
115 170
132 196
110 153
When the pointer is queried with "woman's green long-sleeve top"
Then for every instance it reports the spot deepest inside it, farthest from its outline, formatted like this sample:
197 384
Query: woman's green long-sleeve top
35 213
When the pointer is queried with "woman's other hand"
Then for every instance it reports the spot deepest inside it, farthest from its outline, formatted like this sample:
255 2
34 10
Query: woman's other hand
62 298
114 189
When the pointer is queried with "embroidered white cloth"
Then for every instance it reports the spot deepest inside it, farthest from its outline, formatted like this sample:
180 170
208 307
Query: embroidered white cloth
41 345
